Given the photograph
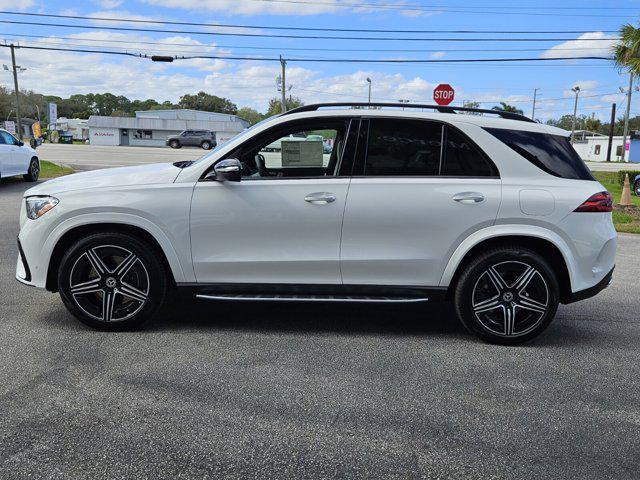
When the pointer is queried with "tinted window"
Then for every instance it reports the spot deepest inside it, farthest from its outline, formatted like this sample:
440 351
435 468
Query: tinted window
8 138
552 153
463 159
403 148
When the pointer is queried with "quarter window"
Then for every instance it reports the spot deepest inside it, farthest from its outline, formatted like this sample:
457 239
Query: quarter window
552 153
403 148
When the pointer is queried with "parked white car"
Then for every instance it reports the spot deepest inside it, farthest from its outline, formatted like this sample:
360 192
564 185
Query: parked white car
16 158
498 215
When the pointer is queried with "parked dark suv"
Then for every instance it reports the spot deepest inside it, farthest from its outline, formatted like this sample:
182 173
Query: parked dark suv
193 138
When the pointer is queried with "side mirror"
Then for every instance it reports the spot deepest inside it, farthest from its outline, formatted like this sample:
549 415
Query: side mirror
20 143
229 170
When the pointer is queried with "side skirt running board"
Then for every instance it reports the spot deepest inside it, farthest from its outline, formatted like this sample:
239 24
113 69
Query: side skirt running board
310 298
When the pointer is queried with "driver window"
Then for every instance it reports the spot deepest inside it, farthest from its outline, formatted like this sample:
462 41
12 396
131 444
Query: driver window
8 138
311 150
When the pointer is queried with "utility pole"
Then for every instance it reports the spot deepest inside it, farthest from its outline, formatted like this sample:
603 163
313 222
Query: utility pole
283 88
15 85
575 89
533 111
611 125
626 117
369 82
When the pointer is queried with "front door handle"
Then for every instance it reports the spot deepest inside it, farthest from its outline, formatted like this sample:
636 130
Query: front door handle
468 197
320 198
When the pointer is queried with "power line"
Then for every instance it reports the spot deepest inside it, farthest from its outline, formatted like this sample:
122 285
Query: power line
322 60
418 8
271 27
309 49
313 37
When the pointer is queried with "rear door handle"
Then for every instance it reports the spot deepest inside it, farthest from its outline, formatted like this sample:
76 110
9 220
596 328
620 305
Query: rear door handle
320 198
468 197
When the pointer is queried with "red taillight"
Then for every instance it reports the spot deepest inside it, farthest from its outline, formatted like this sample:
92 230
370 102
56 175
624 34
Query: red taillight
600 202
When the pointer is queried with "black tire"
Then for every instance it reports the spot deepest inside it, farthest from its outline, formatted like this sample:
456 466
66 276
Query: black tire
174 144
33 173
513 314
636 188
133 292
206 145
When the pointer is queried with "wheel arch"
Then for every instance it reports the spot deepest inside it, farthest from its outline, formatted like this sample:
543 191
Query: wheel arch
70 236
554 252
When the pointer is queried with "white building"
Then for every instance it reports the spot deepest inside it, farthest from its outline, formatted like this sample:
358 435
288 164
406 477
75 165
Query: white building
150 128
594 149
78 127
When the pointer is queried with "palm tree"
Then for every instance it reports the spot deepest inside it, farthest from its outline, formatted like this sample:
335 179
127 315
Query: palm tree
626 53
503 107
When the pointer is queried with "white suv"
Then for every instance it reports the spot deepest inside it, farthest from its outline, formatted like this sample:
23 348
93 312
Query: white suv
498 215
16 158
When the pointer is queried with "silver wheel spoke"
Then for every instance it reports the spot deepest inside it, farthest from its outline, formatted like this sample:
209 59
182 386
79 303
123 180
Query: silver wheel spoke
496 279
96 262
525 278
527 305
509 319
87 287
108 302
132 292
126 265
487 305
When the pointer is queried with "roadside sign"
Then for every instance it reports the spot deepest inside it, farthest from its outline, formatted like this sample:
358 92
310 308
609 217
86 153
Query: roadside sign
443 94
52 109
10 126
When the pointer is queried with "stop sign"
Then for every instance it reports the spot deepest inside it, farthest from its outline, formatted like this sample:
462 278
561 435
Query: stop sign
443 94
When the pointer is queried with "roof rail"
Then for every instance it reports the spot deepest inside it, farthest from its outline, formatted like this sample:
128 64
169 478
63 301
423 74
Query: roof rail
439 108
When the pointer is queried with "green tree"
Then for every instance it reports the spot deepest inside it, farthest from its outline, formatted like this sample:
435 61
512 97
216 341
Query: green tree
208 103
504 107
275 105
250 115
626 53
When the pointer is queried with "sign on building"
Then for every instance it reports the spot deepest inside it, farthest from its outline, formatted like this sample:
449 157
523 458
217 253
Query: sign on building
10 126
52 109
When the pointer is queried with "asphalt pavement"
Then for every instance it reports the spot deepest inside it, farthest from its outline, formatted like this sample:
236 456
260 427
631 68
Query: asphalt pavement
221 390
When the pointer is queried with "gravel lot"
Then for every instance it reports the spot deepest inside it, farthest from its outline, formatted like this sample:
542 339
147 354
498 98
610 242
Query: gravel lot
315 391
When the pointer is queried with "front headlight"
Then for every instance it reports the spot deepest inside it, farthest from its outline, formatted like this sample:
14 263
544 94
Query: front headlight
38 206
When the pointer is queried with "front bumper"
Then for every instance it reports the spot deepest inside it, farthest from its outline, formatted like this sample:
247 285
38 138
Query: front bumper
591 291
23 272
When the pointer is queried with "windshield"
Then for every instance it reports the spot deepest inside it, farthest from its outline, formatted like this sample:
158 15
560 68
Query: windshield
244 134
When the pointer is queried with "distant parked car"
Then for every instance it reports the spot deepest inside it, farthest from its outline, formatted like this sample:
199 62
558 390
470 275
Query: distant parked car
636 185
193 138
16 158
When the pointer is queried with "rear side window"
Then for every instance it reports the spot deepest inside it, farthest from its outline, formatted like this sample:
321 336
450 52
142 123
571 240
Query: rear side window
461 158
403 148
552 153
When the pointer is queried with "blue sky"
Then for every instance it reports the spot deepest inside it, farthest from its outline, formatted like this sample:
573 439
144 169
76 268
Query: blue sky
253 83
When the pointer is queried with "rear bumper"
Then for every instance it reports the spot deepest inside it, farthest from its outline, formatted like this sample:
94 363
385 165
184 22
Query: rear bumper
591 291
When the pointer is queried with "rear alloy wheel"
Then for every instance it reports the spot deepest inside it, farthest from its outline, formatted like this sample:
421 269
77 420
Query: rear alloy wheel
636 188
507 296
206 145
112 281
174 144
34 171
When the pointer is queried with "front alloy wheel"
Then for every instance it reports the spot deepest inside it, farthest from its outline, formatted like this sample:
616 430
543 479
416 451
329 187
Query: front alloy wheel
34 171
206 145
111 281
507 296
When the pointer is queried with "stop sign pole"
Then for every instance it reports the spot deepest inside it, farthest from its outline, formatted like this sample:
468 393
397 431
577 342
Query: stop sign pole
443 94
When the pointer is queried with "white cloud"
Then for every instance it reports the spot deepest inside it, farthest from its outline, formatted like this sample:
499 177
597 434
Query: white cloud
438 54
587 45
252 7
13 5
109 4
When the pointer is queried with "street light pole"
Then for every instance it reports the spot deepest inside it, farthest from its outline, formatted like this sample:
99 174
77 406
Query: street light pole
369 82
533 111
283 63
15 85
626 117
575 89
